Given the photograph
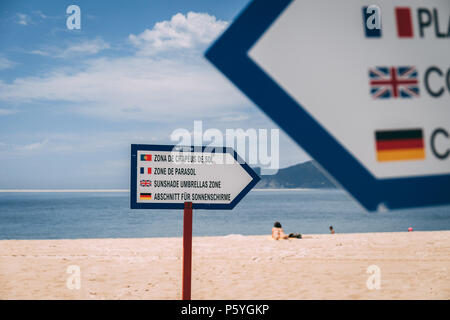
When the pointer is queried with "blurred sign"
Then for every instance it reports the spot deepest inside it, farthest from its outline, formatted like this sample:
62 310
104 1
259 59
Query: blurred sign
165 177
364 89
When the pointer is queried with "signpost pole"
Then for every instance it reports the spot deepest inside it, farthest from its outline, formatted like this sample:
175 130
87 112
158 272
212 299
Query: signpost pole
187 251
229 182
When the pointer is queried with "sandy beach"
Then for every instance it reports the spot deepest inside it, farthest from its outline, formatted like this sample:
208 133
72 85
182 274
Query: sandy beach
412 265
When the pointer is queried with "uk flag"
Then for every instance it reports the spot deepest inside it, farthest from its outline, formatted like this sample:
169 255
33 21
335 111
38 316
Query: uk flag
393 82
146 183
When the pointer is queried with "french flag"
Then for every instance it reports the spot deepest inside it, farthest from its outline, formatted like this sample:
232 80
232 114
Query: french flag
142 171
404 22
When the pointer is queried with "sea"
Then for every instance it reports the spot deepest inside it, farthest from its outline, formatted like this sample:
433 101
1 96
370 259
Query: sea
74 215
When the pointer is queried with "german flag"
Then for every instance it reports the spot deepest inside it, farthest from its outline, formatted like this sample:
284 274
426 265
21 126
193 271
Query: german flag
397 145
145 196
146 157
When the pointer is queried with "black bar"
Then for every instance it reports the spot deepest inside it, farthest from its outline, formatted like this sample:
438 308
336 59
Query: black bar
237 309
399 134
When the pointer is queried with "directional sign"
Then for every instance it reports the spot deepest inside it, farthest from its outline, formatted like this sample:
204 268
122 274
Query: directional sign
165 177
365 90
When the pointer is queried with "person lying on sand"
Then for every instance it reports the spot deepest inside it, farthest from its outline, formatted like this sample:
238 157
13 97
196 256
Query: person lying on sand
278 233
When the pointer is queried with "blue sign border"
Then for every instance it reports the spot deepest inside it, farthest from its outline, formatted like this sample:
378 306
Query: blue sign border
229 54
215 206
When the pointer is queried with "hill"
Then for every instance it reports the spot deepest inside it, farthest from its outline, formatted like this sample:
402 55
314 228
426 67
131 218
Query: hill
302 175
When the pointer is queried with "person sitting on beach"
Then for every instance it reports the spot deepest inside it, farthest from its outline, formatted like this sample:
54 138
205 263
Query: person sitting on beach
278 233
331 230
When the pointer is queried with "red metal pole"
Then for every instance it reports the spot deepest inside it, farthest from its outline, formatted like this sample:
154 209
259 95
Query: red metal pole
187 250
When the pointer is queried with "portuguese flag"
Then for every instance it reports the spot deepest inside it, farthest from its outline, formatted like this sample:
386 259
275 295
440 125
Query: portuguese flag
145 196
396 145
146 157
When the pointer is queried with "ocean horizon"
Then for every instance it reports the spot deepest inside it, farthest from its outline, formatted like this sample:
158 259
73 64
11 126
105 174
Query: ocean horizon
78 214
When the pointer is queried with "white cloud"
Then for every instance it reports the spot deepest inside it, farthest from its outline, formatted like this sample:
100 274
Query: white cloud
154 89
40 52
41 14
234 117
180 32
140 87
89 47
24 147
50 143
33 146
5 112
6 63
81 48
23 19
35 17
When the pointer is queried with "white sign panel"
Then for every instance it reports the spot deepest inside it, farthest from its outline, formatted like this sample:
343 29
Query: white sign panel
363 87
357 86
167 176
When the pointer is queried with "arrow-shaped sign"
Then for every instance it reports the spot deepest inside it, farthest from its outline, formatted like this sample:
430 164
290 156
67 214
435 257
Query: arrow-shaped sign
365 91
166 177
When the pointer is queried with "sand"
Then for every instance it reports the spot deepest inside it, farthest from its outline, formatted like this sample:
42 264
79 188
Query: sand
412 265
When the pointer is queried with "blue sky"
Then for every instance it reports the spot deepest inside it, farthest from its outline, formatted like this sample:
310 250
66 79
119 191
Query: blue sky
72 101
